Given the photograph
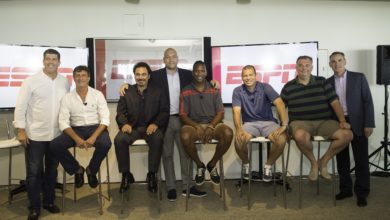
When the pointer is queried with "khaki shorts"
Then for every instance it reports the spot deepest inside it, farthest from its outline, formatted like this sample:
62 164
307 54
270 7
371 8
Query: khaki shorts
324 128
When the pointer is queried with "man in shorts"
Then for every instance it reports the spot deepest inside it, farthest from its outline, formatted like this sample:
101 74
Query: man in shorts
201 111
310 101
252 103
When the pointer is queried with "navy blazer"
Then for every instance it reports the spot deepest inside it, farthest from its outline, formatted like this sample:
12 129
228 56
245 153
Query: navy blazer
156 107
359 102
160 79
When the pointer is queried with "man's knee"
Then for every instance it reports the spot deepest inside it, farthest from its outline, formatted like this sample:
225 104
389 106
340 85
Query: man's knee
120 139
343 134
301 135
186 136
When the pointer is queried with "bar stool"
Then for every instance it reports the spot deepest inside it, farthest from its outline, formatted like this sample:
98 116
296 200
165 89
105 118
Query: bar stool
9 144
262 141
222 178
319 140
100 193
142 143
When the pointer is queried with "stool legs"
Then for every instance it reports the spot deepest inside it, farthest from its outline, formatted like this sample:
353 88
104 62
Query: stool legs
100 193
63 191
250 175
9 176
318 179
222 183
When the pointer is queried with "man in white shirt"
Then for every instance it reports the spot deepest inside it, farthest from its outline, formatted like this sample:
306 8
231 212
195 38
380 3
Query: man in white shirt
36 119
83 119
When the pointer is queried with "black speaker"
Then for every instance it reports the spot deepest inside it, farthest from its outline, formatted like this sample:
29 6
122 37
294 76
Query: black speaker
383 64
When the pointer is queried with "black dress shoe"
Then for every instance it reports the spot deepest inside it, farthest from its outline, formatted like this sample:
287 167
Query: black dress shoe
33 215
79 178
92 180
127 179
343 195
152 182
52 208
361 202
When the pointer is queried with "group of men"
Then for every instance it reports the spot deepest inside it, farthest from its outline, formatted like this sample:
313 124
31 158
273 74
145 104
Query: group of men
176 106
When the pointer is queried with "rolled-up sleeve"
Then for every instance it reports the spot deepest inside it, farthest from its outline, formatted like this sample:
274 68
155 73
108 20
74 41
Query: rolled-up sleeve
64 115
104 113
21 105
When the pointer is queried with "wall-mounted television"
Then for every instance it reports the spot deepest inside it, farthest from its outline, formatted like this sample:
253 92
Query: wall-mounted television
274 63
17 62
112 59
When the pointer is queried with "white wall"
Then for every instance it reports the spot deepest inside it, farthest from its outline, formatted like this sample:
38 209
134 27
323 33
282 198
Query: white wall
353 27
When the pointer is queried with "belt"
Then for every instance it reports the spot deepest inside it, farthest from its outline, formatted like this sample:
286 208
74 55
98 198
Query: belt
176 115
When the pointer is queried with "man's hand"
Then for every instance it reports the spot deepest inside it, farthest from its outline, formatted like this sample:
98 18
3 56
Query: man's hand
127 129
22 137
199 132
80 143
368 132
123 88
215 84
207 135
90 141
275 134
345 125
151 129
240 136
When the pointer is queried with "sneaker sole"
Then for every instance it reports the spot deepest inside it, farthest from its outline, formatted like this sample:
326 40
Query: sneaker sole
199 184
193 195
214 183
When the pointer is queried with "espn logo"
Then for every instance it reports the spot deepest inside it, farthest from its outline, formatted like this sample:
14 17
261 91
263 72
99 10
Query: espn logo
14 76
263 74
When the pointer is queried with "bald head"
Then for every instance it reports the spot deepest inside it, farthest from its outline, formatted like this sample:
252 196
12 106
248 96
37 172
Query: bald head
171 59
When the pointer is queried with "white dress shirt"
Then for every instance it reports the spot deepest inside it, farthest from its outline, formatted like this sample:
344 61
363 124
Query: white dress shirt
38 105
93 111
341 90
174 91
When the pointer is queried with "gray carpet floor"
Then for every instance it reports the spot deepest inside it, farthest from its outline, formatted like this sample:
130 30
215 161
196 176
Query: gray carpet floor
264 205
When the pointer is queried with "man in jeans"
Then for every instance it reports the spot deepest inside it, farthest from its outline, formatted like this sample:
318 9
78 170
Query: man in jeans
84 118
202 111
36 119
252 101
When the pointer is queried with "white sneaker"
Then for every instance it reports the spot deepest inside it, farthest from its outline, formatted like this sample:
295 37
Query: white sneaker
267 173
245 171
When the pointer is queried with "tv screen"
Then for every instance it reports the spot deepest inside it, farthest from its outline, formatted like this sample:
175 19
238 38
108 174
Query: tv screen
113 59
19 62
274 63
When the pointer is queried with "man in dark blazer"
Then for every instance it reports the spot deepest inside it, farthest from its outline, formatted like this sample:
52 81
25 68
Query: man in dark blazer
355 97
143 112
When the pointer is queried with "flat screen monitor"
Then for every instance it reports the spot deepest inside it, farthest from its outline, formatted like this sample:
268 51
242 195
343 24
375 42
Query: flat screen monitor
274 63
113 59
17 62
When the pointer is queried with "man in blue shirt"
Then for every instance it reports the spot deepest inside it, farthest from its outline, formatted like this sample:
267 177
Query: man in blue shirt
252 103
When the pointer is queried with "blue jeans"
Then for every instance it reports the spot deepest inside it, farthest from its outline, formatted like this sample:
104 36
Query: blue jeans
60 145
40 178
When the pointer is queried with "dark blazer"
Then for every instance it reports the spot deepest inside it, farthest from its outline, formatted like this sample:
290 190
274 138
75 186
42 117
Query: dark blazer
160 79
359 102
156 107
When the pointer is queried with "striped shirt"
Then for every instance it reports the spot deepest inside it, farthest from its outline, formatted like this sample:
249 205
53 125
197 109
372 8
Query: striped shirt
309 102
201 107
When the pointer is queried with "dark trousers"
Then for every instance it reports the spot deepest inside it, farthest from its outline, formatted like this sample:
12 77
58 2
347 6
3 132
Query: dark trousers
60 145
362 173
123 141
40 178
